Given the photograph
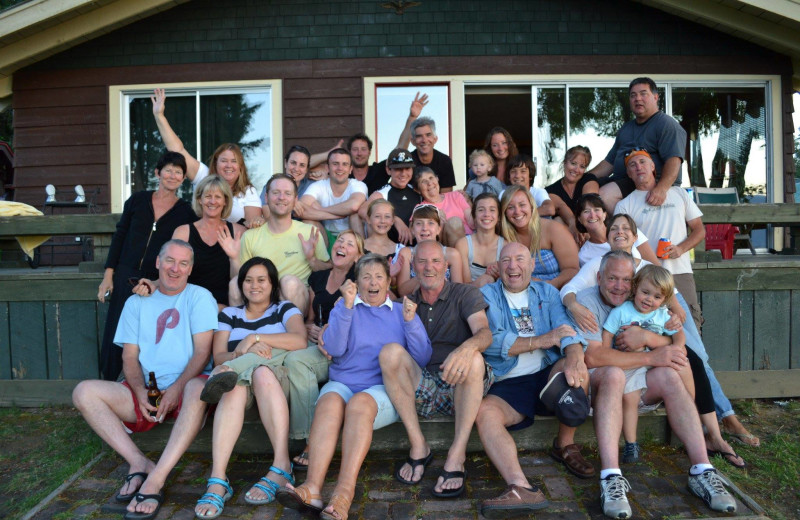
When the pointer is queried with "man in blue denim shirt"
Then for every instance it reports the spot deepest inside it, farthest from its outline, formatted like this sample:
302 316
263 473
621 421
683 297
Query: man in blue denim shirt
532 341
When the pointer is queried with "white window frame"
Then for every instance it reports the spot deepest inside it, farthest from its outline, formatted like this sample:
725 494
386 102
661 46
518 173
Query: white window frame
119 178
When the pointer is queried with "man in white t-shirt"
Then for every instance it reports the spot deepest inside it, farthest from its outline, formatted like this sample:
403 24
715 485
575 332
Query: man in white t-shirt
338 195
533 343
169 334
668 220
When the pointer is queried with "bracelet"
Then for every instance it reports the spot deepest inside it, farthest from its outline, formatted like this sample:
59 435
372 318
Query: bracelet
530 341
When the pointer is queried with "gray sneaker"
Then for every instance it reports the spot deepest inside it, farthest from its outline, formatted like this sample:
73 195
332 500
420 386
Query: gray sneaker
631 453
711 488
613 498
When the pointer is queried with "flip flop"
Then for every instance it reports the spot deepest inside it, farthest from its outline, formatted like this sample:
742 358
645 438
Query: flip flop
159 499
297 465
748 439
127 498
217 385
270 487
451 493
729 457
413 463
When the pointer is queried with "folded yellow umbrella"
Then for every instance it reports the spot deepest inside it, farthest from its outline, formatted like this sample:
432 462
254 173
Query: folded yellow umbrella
15 209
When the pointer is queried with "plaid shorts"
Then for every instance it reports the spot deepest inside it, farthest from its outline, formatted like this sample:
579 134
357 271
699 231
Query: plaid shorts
434 396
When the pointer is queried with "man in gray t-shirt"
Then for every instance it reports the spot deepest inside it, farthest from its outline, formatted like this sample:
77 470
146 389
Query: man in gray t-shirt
652 130
663 384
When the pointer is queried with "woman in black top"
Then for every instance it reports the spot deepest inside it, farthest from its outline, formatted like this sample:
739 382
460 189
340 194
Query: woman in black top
566 191
214 240
148 220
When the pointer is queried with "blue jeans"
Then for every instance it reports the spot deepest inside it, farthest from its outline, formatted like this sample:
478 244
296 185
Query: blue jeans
695 342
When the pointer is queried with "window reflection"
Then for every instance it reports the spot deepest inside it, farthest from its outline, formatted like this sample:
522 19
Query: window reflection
595 117
241 118
726 130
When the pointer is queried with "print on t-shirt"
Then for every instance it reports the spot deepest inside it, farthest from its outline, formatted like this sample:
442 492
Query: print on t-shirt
523 321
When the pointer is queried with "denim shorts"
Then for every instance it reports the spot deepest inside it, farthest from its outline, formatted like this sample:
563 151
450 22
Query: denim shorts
386 412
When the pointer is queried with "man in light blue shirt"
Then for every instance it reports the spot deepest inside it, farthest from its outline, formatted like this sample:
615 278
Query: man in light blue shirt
169 334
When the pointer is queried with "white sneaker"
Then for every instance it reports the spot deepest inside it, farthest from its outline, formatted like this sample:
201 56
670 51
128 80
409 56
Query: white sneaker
711 488
613 498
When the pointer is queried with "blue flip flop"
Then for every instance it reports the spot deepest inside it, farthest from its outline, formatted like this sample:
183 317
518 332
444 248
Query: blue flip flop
214 499
271 488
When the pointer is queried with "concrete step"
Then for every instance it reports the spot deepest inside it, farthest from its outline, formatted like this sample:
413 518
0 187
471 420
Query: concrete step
437 430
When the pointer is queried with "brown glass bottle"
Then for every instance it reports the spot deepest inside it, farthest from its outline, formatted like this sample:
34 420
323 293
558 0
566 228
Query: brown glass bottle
153 393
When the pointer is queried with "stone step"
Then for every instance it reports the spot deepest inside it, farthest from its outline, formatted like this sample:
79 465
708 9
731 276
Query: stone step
438 431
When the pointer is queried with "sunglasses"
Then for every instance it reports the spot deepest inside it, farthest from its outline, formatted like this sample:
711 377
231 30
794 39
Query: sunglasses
634 150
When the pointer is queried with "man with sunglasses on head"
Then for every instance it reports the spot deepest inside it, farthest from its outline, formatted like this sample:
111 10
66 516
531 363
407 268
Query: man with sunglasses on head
651 130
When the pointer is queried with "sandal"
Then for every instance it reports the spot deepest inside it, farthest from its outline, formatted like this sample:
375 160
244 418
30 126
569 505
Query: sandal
414 463
299 499
213 498
218 385
341 507
299 466
270 489
450 493
158 498
572 459
127 498
748 439
729 456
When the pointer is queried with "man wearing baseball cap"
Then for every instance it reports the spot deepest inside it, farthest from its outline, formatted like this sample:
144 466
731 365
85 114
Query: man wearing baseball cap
400 167
650 129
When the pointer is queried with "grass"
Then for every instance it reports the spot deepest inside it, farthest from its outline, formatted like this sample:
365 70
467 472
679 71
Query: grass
41 449
773 474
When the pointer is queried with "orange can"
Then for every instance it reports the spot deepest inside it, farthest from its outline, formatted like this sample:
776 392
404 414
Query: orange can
661 250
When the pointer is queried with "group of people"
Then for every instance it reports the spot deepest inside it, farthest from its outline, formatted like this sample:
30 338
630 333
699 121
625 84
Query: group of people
406 299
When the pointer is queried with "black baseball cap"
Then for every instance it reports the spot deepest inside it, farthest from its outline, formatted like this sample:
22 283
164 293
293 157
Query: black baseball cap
400 158
569 404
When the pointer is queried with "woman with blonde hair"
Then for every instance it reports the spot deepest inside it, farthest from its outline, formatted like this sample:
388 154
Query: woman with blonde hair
554 251
214 240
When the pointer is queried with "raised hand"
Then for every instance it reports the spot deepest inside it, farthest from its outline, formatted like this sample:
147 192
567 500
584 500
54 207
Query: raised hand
159 99
417 105
310 245
396 266
409 309
228 242
349 291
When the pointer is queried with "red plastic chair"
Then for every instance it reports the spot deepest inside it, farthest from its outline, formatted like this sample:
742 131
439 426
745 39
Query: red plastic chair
721 236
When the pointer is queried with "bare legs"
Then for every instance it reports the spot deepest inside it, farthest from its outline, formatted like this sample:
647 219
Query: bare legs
608 384
103 406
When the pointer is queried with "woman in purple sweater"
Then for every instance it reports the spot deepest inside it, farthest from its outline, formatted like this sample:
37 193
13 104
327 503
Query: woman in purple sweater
360 324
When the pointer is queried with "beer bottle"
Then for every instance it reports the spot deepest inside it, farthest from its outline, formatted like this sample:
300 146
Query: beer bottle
153 393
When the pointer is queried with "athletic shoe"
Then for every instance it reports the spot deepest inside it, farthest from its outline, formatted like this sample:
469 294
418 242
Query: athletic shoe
631 453
709 486
613 498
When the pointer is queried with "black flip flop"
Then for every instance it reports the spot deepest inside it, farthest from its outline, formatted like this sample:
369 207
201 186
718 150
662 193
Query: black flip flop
414 463
127 498
725 456
158 497
297 465
217 385
451 493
